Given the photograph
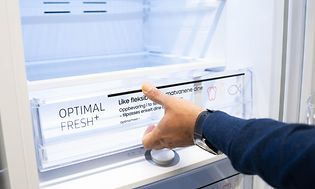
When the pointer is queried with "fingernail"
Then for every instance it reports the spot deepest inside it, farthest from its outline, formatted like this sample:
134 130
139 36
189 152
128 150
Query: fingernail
146 87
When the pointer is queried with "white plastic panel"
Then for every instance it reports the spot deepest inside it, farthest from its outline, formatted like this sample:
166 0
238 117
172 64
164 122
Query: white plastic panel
188 28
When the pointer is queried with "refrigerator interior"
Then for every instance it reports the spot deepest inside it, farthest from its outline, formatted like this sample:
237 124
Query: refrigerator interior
77 51
73 38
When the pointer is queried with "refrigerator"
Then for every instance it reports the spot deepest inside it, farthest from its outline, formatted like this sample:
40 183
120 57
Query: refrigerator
73 115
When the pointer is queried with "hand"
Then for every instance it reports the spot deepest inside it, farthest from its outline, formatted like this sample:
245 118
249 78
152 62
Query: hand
176 128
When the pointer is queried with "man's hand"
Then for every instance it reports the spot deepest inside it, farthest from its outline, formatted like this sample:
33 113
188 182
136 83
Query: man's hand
176 128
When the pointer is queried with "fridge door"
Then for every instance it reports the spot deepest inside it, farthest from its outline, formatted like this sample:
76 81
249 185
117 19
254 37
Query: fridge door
308 77
3 164
298 72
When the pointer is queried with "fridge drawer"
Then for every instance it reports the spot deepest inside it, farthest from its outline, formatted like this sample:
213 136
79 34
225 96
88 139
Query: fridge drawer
217 175
74 125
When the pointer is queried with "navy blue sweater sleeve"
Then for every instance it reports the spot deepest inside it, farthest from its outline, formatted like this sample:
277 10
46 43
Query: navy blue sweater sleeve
282 154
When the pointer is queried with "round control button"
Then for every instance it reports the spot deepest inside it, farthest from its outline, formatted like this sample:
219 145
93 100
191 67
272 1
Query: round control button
163 156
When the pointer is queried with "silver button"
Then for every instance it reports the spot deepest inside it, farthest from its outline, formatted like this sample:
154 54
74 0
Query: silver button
162 157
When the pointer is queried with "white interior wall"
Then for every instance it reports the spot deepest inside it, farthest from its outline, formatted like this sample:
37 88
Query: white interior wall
187 28
69 30
254 40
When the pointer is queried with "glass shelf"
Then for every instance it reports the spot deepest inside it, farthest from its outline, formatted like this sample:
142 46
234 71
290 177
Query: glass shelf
43 70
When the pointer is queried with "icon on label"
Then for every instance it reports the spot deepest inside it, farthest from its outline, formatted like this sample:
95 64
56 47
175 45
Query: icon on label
212 93
234 89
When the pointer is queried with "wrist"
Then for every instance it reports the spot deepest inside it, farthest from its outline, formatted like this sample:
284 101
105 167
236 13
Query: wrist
199 138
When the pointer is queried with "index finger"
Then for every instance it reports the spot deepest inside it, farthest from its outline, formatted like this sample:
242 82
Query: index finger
154 94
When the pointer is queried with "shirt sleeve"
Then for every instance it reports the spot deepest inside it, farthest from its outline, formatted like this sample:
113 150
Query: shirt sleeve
282 154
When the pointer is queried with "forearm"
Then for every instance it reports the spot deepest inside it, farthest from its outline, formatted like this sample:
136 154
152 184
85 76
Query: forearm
278 152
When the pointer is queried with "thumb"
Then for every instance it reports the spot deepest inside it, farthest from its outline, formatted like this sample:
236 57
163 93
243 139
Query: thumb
154 94
149 129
